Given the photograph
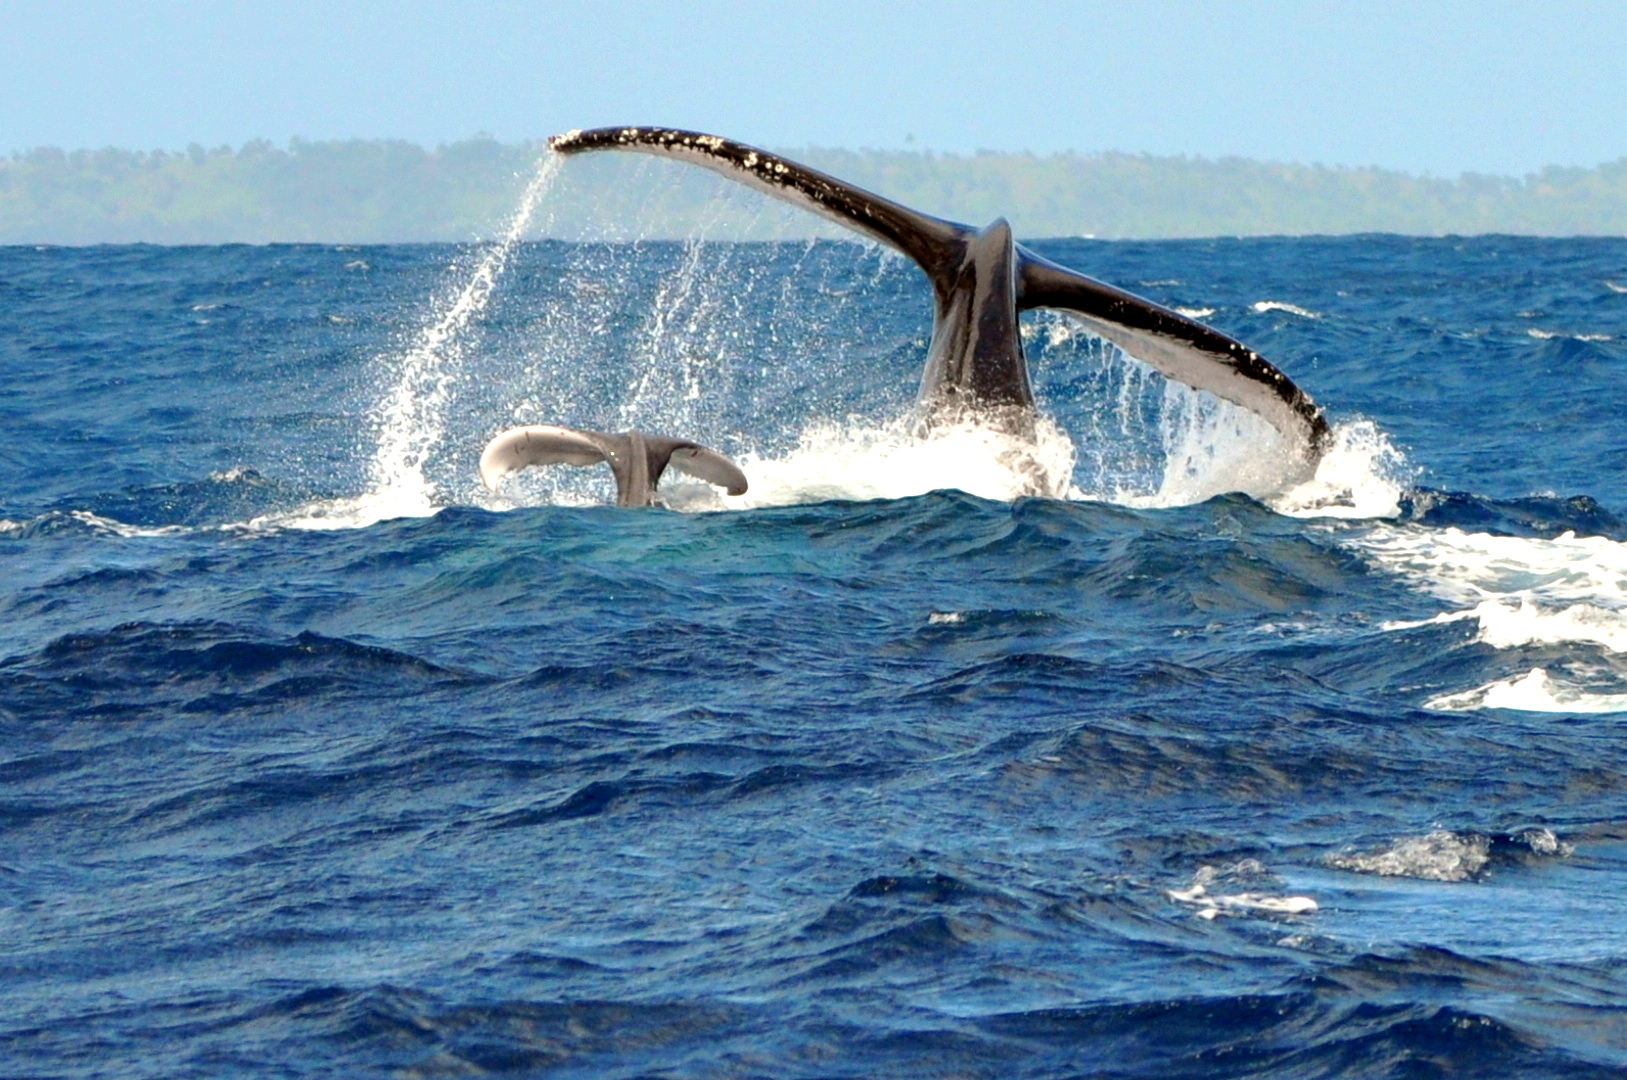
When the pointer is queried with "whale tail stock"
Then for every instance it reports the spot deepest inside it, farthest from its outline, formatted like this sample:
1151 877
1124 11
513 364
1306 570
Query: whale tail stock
636 460
981 279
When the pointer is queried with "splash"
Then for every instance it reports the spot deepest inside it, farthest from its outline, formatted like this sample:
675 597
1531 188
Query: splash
1147 441
1362 475
727 335
412 419
680 351
894 461
1211 447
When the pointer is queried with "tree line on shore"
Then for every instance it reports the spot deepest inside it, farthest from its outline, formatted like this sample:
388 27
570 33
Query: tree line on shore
381 191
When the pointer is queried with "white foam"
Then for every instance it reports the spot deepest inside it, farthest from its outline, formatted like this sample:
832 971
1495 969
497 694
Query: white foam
1196 312
1467 568
1263 306
1524 622
1255 902
93 522
1204 447
1534 691
1213 906
356 512
1520 592
1209 451
893 461
1437 856
1548 335
1615 286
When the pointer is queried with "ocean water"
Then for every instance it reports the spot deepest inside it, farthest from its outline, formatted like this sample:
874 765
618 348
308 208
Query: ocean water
317 759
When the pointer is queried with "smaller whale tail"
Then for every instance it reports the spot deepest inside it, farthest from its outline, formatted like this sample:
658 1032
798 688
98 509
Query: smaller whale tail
636 460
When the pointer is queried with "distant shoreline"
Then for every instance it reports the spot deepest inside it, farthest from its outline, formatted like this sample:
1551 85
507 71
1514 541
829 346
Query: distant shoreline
381 191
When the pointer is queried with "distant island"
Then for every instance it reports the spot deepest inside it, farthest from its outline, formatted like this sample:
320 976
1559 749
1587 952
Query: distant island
371 191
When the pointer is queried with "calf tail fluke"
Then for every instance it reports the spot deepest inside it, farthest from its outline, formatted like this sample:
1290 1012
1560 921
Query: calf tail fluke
636 460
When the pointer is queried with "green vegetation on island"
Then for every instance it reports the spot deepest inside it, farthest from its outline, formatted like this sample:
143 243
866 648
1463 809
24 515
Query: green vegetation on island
362 191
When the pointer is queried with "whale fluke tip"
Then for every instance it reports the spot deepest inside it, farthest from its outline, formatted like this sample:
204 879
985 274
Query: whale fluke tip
564 142
709 465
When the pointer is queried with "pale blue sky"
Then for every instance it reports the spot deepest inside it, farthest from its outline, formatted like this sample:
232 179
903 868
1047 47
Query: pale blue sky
1445 87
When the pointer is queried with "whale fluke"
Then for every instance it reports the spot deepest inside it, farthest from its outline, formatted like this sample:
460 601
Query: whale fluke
636 460
981 279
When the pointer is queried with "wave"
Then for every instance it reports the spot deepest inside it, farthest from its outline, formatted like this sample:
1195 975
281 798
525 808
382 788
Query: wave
1321 1029
1469 568
1521 592
1538 517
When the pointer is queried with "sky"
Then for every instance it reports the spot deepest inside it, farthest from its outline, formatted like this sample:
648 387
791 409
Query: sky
1444 87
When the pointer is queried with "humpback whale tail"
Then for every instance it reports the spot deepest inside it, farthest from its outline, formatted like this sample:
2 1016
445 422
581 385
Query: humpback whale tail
636 460
981 279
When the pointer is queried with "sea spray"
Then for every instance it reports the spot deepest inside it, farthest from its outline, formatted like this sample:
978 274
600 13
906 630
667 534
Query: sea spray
1361 475
412 419
676 356
1147 441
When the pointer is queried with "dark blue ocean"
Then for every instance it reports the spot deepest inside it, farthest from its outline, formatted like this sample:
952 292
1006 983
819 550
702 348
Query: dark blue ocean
317 759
